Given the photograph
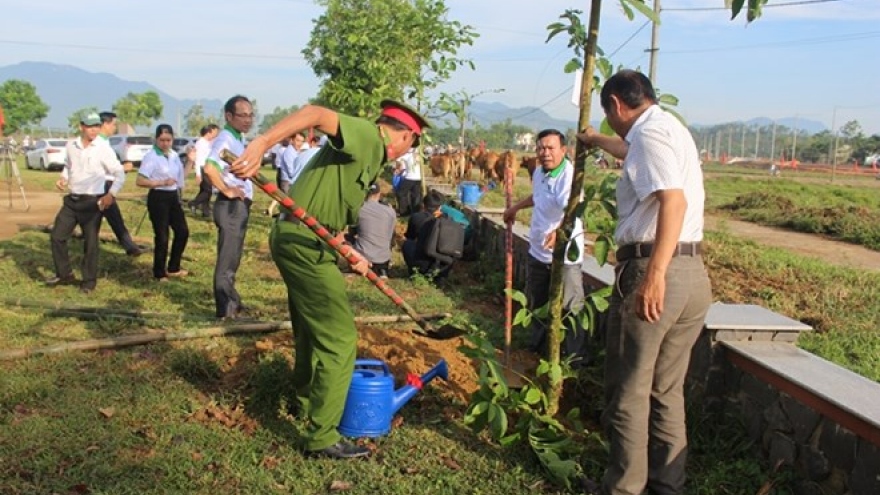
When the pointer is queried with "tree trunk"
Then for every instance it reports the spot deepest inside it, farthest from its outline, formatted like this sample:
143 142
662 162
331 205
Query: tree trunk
563 233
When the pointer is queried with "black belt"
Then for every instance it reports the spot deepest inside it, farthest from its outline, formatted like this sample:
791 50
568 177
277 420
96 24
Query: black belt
247 201
78 197
644 250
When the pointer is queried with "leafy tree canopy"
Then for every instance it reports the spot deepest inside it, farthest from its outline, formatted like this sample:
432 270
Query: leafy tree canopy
276 115
138 109
369 50
195 119
22 107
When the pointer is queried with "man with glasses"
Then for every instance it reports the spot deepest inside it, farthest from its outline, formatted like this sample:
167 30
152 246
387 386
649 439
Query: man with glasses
232 206
331 187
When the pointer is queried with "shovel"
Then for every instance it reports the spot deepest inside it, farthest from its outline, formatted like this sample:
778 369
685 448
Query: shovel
269 187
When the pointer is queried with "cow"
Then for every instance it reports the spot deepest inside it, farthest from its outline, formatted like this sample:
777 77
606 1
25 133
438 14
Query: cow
529 163
506 161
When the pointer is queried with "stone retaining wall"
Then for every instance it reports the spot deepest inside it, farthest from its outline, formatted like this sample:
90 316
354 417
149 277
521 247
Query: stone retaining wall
830 458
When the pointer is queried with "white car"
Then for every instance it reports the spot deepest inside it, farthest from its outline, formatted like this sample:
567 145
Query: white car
47 154
131 148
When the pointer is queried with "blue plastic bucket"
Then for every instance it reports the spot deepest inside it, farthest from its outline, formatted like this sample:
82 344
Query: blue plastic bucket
368 407
470 193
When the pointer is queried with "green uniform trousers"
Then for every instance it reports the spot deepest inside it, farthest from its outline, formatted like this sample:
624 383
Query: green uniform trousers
323 329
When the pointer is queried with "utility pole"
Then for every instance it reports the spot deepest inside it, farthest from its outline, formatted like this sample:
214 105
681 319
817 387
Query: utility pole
757 140
794 141
655 34
832 145
773 143
742 145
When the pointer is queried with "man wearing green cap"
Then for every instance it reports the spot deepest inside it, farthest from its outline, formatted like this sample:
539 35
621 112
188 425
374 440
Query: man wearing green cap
332 188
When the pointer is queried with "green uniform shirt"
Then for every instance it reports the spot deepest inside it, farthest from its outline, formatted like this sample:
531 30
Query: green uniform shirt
333 185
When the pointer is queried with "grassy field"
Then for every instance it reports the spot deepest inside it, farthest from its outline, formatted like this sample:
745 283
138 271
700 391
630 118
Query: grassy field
205 416
845 210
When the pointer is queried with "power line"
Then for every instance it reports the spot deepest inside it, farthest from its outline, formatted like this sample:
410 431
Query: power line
766 6
153 50
804 41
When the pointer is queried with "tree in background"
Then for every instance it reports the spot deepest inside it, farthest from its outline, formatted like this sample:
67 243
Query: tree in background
22 106
457 104
138 109
369 50
276 115
195 119
76 117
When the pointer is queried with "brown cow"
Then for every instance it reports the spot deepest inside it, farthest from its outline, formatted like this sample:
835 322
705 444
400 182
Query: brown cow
486 162
506 161
441 166
529 163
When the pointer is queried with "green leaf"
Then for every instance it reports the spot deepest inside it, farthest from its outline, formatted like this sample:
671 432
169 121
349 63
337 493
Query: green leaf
605 128
735 8
497 421
573 252
601 248
668 99
643 9
532 396
572 65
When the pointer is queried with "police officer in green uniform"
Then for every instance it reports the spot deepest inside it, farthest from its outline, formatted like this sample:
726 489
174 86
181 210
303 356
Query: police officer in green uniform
332 188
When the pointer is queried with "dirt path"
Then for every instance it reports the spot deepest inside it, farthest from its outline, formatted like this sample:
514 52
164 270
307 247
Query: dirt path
833 252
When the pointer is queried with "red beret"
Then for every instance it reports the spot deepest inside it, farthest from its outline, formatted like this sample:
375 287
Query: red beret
405 115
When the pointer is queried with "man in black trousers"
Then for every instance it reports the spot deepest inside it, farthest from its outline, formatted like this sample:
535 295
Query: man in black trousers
112 212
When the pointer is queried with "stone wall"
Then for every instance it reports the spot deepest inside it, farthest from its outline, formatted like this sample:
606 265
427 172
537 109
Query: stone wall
831 459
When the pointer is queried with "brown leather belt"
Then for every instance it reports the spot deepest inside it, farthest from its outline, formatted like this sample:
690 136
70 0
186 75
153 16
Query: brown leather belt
644 250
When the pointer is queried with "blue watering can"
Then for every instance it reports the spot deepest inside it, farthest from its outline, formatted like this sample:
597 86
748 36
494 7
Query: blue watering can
372 400
469 193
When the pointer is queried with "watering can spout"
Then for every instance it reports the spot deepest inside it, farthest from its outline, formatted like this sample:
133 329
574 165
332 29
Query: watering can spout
414 383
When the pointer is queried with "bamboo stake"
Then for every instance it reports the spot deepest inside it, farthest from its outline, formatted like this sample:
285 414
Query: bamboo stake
222 331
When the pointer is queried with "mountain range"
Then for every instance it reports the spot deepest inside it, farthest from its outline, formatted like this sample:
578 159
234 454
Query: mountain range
66 89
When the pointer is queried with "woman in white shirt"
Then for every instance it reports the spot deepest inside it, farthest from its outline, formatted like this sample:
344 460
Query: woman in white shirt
162 173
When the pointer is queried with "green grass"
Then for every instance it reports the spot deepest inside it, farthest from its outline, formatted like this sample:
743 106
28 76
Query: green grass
803 203
208 416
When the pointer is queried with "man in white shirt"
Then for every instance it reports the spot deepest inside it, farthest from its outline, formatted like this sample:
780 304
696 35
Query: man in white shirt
662 291
202 201
232 207
409 194
551 187
88 163
112 213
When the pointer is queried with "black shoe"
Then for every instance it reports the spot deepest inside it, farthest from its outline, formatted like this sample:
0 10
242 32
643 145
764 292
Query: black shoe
135 252
590 487
341 450
86 290
56 281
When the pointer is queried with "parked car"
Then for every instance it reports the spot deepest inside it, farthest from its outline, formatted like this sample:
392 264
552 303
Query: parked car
47 154
131 148
182 145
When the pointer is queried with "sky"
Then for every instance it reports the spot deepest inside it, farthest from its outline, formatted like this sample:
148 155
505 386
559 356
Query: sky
810 59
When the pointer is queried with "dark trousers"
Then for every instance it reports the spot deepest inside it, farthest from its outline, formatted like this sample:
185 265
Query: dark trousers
409 197
114 217
203 198
76 210
165 211
418 262
231 217
538 293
